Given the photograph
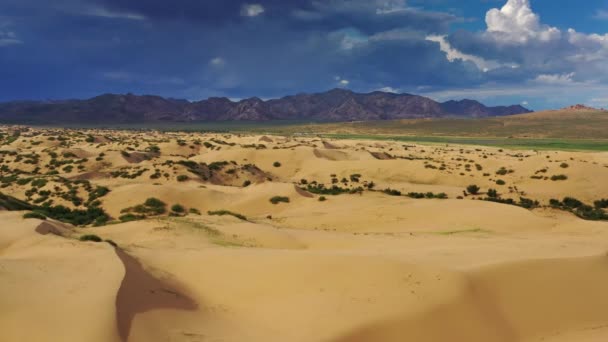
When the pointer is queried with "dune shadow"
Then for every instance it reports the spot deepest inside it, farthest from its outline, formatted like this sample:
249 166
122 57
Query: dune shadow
140 292
46 228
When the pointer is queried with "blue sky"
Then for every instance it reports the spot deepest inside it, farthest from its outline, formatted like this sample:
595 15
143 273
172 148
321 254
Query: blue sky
541 53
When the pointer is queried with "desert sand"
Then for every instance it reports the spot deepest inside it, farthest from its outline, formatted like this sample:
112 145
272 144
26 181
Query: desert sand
367 264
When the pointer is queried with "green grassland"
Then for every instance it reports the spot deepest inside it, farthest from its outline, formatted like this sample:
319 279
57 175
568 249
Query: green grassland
555 130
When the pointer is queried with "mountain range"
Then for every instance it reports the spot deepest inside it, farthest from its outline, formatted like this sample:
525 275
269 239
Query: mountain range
334 105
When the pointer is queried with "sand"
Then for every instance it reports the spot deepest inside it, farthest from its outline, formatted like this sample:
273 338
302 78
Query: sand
365 266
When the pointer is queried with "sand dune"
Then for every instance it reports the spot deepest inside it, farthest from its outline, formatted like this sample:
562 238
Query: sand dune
333 241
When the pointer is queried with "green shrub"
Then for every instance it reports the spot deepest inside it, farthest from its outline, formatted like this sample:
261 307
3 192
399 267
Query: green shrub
279 199
34 215
492 193
227 212
473 189
246 183
601 204
559 177
182 178
194 211
320 189
564 165
571 202
131 217
322 199
90 237
555 203
527 203
155 206
392 192
421 195
500 182
77 217
178 208
276 164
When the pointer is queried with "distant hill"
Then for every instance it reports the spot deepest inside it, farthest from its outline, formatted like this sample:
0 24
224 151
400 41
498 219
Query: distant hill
334 105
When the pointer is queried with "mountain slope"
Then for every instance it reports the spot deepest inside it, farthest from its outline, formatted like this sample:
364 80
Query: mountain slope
333 105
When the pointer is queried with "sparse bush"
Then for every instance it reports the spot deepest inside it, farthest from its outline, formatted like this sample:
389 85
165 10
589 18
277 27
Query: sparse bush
320 189
564 165
601 204
34 215
492 193
500 182
322 199
156 205
276 164
178 208
571 202
473 189
246 183
227 212
90 237
182 178
555 203
194 211
392 192
131 217
279 199
559 177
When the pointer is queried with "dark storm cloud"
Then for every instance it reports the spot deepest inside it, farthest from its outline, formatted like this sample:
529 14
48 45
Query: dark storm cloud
237 48
205 12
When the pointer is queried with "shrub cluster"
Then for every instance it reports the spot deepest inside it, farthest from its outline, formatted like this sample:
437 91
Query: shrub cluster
420 195
582 210
227 212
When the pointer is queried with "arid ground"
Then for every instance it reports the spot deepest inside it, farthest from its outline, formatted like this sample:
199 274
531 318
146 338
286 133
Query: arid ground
150 236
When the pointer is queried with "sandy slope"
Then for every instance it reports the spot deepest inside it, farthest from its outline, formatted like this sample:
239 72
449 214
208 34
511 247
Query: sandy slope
356 267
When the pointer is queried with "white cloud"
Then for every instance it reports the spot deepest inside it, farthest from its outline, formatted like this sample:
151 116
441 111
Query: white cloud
344 82
390 6
555 78
453 54
217 62
105 13
601 15
516 37
252 10
9 38
524 103
516 23
389 90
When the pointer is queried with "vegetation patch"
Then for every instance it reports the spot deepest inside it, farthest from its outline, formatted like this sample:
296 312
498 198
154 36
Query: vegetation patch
227 212
279 199
90 237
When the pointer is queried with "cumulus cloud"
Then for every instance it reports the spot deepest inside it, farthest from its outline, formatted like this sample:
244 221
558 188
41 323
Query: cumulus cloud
515 22
251 10
516 35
